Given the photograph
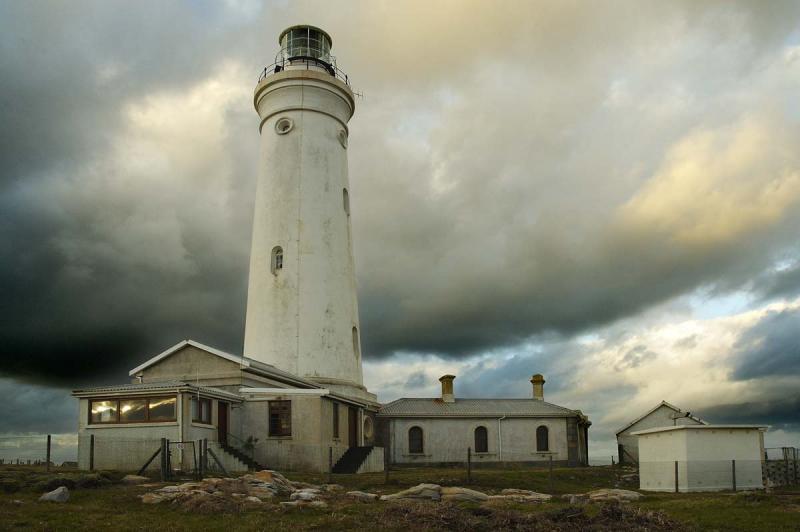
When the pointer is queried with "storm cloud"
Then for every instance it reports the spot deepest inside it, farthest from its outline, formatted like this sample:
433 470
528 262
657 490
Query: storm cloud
523 175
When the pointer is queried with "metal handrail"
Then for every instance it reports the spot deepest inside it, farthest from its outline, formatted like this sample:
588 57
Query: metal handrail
283 59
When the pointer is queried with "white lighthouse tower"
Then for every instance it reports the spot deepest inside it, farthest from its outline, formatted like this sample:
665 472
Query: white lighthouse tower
302 307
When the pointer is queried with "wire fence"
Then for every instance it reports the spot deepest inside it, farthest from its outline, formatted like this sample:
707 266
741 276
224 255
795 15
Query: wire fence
49 450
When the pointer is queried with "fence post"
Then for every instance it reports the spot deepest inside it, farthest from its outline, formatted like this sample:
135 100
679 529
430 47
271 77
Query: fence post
47 465
163 459
91 452
550 474
676 476
733 473
200 469
330 465
469 465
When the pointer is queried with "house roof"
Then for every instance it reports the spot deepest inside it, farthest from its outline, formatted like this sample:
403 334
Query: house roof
700 427
427 407
659 405
246 363
164 386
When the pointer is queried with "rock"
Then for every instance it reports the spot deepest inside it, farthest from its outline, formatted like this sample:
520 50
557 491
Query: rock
134 479
191 485
278 481
613 495
526 495
170 489
291 503
262 493
304 495
332 487
420 491
363 496
17 502
255 500
462 494
60 494
152 498
318 504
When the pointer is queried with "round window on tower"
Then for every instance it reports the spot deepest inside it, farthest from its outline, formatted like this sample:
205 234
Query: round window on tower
283 125
343 138
367 428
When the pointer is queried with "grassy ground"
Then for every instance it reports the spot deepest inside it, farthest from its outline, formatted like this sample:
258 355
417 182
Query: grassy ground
113 506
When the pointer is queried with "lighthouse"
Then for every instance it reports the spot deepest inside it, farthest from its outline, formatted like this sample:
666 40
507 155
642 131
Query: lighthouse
302 306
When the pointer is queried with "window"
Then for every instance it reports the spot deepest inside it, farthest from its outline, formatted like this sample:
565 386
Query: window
367 428
335 420
201 410
356 349
132 410
276 263
415 440
346 201
542 439
280 418
481 440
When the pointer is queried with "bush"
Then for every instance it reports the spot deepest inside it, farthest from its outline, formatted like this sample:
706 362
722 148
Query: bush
8 485
54 482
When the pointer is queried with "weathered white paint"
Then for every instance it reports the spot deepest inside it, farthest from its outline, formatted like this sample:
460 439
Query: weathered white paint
301 318
704 454
663 415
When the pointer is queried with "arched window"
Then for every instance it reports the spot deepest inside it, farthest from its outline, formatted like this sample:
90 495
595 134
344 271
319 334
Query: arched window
415 440
481 440
276 263
346 201
356 347
542 439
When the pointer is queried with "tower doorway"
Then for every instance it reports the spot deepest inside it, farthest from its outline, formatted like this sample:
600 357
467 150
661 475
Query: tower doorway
352 427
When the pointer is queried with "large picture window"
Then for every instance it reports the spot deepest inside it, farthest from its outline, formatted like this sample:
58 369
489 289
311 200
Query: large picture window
133 410
280 418
201 410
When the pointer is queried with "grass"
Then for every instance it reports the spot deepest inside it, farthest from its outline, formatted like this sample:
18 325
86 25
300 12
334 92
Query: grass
118 507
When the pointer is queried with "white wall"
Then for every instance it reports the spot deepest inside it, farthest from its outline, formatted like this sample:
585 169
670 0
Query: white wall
447 440
301 319
661 417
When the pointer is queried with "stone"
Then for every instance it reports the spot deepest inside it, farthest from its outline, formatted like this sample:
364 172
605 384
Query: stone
332 487
609 494
362 496
134 479
303 495
262 493
170 489
318 504
255 500
152 498
291 503
278 481
191 485
420 491
60 494
515 495
462 494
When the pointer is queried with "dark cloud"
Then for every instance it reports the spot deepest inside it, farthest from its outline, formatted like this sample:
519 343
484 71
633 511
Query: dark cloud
770 348
635 357
36 409
524 181
780 413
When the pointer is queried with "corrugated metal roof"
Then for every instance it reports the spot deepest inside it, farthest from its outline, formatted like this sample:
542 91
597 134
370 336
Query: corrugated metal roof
474 407
152 387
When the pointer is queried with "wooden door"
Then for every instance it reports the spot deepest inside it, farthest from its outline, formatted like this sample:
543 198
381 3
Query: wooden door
352 427
222 422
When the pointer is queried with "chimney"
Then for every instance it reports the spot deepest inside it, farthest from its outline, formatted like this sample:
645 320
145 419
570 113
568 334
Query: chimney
538 386
447 388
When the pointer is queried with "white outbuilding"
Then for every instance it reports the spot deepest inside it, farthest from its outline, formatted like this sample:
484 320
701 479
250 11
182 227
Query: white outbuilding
701 457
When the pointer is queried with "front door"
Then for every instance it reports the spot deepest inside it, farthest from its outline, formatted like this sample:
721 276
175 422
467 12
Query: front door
352 427
222 422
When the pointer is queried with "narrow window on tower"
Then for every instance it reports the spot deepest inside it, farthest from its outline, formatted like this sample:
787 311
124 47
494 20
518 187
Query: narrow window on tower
356 348
346 200
277 260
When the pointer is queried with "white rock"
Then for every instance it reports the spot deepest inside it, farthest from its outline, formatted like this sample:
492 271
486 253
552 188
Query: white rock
613 495
462 494
303 496
363 496
420 491
134 479
60 494
253 500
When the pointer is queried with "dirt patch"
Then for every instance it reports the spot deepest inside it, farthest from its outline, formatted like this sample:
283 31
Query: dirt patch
443 516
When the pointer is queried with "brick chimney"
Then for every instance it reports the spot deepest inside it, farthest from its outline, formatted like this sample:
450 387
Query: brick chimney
447 388
538 386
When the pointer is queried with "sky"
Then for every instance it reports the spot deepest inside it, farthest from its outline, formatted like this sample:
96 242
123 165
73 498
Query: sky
604 193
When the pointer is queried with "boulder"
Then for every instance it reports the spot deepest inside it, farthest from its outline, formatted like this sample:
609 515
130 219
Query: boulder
278 481
254 500
462 494
420 491
152 498
171 489
60 494
332 487
262 493
304 495
526 495
609 494
134 479
362 496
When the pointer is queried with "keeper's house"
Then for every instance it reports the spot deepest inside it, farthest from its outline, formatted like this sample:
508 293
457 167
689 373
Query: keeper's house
253 415
441 430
